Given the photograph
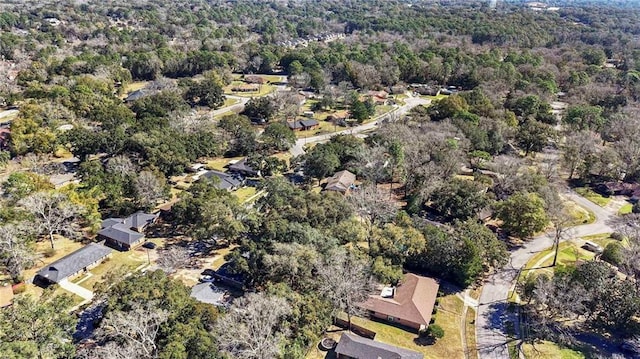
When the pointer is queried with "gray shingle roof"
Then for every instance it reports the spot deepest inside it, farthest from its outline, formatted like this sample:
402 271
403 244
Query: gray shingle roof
357 347
242 167
121 233
208 293
227 181
74 262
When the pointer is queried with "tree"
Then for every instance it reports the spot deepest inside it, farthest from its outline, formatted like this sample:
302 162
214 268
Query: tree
149 188
136 331
359 111
448 107
321 161
581 118
254 328
559 216
207 92
532 136
37 328
523 214
53 213
22 184
278 136
16 252
578 148
346 282
241 136
173 258
459 199
373 205
260 108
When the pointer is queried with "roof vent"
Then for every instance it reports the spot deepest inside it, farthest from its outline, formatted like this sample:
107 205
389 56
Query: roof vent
388 292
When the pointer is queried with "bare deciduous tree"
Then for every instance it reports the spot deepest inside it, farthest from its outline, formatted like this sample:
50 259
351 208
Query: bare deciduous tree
253 327
15 252
173 258
121 165
53 213
149 188
373 205
131 334
346 282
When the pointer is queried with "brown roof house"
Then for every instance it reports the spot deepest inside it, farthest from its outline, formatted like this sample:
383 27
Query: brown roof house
410 304
126 233
352 346
341 182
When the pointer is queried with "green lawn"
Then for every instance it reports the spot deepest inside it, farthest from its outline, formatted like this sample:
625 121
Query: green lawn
134 86
123 262
264 89
549 350
448 317
325 127
245 193
267 78
219 163
592 196
626 209
580 215
229 102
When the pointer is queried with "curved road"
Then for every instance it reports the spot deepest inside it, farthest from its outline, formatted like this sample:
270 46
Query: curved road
492 314
410 102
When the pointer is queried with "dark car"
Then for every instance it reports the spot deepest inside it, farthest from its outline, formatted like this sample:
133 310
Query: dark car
149 245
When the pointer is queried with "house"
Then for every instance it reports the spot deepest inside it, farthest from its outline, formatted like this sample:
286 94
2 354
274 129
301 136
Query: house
126 233
225 275
210 294
341 182
303 125
631 190
73 264
224 180
410 304
6 295
242 168
352 346
378 97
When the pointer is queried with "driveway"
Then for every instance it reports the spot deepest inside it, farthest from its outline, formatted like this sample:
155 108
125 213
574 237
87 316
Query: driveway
410 102
84 293
492 315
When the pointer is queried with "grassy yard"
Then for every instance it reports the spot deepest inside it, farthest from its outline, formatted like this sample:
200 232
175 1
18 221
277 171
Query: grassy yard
220 253
263 90
592 196
625 209
470 327
448 317
119 262
267 78
226 113
229 102
548 350
219 163
245 193
580 215
325 127
134 86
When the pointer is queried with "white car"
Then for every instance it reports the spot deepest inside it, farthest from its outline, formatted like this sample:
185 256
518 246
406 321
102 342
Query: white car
206 279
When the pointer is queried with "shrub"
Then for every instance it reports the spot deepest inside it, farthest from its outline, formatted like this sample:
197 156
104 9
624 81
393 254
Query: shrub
617 236
19 288
50 252
612 254
435 331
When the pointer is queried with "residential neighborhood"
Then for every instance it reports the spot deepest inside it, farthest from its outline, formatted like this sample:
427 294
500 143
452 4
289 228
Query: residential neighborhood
319 179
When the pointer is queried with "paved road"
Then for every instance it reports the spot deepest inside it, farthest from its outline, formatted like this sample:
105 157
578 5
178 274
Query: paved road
410 102
491 316
235 107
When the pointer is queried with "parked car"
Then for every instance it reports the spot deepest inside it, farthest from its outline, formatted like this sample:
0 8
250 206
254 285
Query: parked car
592 247
149 245
207 279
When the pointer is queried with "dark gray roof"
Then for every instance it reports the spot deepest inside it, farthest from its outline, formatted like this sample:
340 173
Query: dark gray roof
140 220
121 233
74 262
242 167
226 180
357 347
309 123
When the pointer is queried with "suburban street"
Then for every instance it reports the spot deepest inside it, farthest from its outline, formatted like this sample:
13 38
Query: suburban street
492 314
410 102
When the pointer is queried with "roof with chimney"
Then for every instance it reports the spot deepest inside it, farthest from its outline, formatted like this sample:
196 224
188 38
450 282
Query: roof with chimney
357 347
74 262
127 230
412 300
